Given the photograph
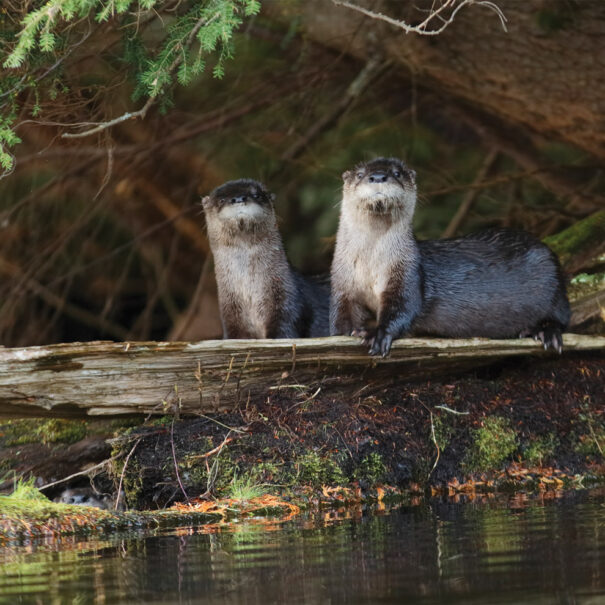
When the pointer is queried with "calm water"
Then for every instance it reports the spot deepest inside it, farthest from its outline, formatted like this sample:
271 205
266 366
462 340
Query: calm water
506 552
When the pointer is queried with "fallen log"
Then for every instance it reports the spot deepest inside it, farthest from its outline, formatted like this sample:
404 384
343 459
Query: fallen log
588 308
111 379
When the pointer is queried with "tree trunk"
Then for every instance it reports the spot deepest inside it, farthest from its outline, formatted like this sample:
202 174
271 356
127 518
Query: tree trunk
506 74
111 379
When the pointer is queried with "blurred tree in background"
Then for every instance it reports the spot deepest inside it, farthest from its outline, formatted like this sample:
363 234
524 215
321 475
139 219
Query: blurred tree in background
127 112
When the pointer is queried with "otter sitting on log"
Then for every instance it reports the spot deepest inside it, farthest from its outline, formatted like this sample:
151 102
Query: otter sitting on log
497 283
260 294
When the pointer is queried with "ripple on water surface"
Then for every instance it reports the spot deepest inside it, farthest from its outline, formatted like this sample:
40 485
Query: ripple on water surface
541 552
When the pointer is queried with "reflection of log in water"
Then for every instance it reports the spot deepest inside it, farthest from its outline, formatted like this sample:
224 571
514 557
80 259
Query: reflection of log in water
102 378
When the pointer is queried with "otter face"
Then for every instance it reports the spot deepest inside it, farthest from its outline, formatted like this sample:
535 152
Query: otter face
240 205
81 496
381 186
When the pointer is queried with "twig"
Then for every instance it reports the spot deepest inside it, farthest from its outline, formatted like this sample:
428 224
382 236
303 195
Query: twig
176 465
225 426
344 442
497 180
436 444
81 473
104 125
370 71
108 172
115 507
304 401
594 437
118 249
214 450
471 195
212 472
279 387
53 300
433 436
421 29
446 409
525 153
192 309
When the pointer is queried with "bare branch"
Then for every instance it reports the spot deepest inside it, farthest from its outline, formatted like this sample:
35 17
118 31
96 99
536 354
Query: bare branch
134 447
86 471
434 15
370 71
53 300
471 195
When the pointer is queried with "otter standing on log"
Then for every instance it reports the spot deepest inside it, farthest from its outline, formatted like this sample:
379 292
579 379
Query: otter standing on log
260 294
498 283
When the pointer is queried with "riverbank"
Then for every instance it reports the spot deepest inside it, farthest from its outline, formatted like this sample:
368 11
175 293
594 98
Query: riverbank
524 425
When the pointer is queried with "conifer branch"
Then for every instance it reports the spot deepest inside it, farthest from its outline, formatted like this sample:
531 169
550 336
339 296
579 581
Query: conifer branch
141 113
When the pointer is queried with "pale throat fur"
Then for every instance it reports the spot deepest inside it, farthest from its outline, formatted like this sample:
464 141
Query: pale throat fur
375 229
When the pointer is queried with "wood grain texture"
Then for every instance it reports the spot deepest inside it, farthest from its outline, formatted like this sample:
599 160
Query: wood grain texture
112 379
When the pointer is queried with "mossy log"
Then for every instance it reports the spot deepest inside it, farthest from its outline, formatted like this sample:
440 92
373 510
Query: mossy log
110 379
580 244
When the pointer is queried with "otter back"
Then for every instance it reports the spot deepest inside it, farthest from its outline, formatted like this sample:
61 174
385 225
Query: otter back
498 284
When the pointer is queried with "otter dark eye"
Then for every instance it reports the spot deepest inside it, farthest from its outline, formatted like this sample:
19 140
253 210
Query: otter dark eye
256 195
359 175
396 174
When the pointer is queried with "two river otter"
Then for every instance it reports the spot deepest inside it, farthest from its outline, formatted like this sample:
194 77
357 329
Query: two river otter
498 283
260 294
384 284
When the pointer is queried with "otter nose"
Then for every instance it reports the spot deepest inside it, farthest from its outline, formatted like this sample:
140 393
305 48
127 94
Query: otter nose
239 199
378 177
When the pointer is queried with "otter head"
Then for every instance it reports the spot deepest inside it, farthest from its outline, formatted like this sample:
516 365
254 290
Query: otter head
82 496
241 206
382 187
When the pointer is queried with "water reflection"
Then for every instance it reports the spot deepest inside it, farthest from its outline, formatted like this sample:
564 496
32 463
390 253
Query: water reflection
532 552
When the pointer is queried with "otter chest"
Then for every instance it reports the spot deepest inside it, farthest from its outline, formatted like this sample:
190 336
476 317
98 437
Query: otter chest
372 266
245 287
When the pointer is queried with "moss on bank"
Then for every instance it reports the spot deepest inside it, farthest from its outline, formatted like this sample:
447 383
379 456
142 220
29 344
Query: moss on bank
27 514
516 422
492 444
21 432
413 436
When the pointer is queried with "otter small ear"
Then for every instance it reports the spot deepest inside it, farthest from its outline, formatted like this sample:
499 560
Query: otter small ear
347 175
412 174
272 197
206 201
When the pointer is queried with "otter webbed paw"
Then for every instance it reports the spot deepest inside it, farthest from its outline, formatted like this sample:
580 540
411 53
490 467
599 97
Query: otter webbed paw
381 343
377 339
549 334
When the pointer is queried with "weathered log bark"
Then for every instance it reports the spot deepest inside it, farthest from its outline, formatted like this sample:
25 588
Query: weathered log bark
474 60
101 378
588 308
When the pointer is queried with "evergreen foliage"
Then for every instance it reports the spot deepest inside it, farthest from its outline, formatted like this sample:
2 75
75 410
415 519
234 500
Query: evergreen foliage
37 42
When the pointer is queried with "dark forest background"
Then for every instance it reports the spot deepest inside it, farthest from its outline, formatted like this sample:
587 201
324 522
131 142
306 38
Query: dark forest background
102 236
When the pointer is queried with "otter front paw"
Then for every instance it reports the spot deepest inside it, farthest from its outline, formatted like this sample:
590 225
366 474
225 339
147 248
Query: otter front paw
365 334
381 342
